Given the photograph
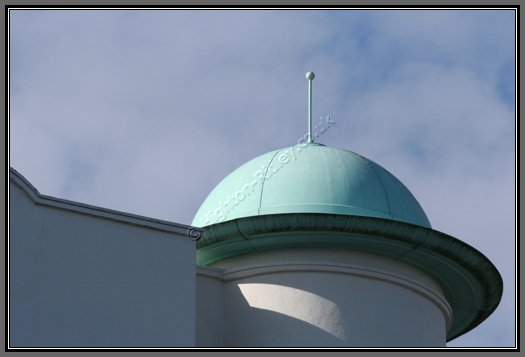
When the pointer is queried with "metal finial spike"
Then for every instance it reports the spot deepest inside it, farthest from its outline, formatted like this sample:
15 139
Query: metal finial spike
310 76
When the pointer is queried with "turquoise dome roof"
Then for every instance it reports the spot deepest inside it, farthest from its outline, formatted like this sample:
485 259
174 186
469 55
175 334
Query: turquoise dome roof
310 196
310 178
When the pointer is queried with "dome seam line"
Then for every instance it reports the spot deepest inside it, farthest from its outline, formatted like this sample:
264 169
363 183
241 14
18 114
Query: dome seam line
382 186
264 181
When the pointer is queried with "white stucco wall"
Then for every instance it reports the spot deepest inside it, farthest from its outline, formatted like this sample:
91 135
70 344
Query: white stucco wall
210 307
79 280
324 297
84 277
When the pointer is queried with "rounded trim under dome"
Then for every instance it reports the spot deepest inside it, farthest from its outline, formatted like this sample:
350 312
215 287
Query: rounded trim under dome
470 282
310 178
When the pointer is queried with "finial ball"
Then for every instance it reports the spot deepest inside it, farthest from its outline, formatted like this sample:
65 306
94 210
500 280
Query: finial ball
310 75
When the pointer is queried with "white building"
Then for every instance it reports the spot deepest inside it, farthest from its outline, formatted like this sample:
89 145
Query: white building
82 276
304 246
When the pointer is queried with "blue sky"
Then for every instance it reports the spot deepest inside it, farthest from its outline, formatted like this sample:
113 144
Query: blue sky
146 111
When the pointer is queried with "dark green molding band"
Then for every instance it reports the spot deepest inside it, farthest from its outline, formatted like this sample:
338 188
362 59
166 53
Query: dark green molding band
470 282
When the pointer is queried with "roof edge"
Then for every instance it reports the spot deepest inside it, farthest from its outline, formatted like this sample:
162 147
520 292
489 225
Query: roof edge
171 227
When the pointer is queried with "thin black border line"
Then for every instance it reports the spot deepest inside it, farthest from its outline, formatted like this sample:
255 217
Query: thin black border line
516 7
8 120
516 143
265 7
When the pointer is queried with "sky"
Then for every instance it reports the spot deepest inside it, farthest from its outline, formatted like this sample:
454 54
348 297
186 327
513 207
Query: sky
146 111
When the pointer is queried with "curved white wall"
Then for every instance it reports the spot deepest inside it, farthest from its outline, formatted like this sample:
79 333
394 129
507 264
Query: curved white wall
325 297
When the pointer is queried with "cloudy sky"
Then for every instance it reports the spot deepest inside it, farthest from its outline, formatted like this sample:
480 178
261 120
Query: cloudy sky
146 111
